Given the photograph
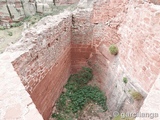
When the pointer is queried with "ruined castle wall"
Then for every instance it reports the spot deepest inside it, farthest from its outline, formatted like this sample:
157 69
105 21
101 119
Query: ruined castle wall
82 31
151 103
45 65
134 29
60 44
97 28
140 43
15 102
107 16
117 22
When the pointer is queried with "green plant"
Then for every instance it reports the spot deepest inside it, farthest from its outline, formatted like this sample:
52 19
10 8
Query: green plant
122 118
27 18
136 95
125 80
80 79
58 116
16 24
86 94
9 33
78 94
2 28
113 49
84 76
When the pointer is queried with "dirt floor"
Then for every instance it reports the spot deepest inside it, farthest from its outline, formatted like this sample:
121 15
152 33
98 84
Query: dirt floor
95 112
91 112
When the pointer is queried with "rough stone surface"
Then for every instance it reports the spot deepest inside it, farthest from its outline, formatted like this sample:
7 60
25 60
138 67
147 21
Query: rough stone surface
151 105
116 23
140 51
60 45
15 102
82 31
45 66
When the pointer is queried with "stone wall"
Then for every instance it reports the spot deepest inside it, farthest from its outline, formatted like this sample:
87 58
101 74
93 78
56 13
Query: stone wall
138 58
60 45
110 21
151 103
82 31
46 64
105 19
139 48
15 102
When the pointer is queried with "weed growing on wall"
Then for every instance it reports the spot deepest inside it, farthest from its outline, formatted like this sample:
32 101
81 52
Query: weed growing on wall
136 95
78 95
113 49
125 80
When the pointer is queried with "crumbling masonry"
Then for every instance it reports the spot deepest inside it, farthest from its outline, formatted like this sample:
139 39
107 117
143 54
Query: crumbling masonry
34 70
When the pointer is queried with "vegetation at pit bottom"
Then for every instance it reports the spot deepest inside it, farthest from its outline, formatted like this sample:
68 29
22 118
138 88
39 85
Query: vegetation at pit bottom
78 94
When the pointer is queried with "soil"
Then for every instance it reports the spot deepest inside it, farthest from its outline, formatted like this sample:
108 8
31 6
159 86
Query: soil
94 112
91 112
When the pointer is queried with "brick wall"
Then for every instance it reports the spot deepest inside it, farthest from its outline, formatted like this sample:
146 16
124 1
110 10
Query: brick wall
110 21
48 90
15 101
140 41
45 66
107 17
82 31
64 43
133 27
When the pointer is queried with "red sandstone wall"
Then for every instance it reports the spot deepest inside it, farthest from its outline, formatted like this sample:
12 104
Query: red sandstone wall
140 43
93 30
138 51
82 31
45 67
134 28
113 22
107 17
48 90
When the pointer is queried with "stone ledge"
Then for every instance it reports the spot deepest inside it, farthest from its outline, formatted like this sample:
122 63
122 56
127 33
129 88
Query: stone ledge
151 104
15 102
